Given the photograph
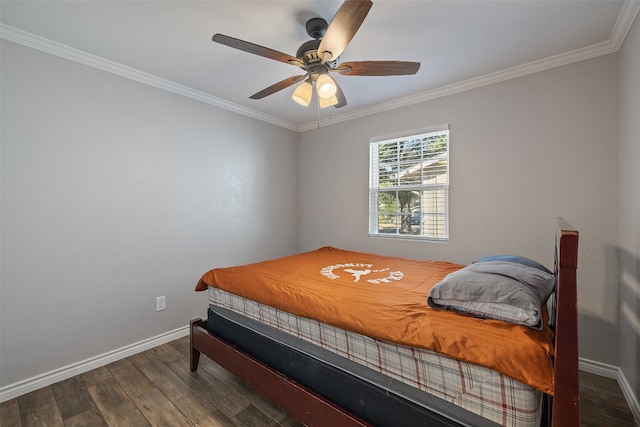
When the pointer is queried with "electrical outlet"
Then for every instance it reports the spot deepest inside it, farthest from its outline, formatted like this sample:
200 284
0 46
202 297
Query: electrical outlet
161 303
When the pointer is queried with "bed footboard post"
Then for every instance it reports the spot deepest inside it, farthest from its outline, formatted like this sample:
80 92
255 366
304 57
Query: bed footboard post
194 355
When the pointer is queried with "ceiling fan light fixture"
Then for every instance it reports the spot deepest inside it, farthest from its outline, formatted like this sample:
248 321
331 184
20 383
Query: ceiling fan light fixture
319 56
328 102
326 86
302 94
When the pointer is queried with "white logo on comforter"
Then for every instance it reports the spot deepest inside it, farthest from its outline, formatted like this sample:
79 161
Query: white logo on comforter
360 270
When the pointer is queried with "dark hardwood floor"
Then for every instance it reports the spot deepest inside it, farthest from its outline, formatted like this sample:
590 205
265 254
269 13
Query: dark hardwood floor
602 403
156 388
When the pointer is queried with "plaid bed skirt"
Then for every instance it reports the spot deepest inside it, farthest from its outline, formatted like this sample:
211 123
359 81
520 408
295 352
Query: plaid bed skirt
480 390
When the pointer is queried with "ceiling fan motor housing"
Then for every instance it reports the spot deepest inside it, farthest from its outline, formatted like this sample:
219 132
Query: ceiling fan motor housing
316 27
308 51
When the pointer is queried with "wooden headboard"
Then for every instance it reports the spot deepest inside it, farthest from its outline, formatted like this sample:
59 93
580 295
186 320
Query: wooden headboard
566 399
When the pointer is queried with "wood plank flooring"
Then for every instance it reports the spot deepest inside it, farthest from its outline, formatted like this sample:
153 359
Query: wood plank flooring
156 388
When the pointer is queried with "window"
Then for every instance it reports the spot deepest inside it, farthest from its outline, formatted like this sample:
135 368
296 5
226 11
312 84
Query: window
409 187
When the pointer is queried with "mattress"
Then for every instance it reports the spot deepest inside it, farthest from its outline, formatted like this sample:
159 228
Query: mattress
385 298
477 389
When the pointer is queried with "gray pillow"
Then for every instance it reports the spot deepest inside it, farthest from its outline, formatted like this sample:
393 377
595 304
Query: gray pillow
516 258
500 290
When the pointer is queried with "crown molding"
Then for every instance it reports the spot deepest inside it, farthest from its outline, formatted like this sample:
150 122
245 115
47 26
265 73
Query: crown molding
628 14
54 48
473 83
630 10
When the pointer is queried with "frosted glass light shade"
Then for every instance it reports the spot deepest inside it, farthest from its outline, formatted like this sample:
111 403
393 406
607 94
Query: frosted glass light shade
326 86
302 94
328 102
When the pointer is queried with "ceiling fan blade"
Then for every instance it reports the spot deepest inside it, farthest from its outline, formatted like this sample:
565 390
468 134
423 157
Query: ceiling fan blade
377 68
278 87
255 49
342 28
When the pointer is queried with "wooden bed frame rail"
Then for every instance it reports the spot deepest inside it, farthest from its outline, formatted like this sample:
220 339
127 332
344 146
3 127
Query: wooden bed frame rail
299 401
314 410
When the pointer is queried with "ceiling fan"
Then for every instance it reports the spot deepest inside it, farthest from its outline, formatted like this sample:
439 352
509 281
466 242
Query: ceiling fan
319 57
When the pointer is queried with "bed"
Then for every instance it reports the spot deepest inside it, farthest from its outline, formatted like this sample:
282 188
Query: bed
337 358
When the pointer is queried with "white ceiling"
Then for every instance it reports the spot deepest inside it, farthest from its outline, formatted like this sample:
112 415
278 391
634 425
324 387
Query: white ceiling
461 44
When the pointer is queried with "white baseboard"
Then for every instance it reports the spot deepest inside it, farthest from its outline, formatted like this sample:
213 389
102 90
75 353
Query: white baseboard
599 368
12 391
610 371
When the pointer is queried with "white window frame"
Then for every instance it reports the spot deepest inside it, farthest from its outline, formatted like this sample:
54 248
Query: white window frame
430 221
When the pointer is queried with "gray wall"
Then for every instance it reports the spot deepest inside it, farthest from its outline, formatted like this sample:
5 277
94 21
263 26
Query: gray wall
114 193
629 178
523 152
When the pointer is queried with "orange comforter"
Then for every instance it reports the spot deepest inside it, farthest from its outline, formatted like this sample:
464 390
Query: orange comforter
386 298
